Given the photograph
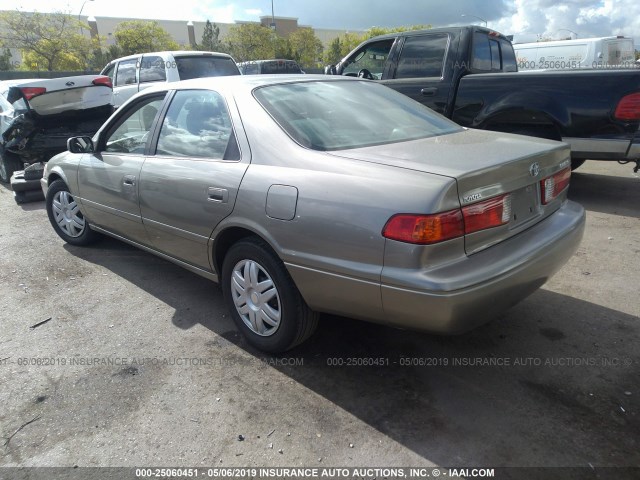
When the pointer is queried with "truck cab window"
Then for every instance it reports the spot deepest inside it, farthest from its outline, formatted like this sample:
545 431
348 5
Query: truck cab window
371 58
422 56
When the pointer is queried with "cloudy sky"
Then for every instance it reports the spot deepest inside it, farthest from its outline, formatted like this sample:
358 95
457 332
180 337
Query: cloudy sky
524 18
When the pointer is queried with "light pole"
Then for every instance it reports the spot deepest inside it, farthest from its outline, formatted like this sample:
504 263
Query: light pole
273 18
475 16
79 14
567 30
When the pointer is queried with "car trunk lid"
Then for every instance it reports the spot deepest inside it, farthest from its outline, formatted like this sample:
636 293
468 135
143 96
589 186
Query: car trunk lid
486 165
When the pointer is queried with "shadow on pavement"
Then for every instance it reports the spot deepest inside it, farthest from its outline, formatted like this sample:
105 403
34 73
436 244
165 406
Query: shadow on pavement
606 194
552 382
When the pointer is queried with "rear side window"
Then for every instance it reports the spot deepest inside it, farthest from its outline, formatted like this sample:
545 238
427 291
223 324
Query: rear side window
422 56
198 125
152 69
201 66
492 55
126 73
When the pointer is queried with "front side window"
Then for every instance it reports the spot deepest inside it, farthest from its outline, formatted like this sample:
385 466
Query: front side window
131 132
198 125
422 56
335 115
372 57
110 71
126 73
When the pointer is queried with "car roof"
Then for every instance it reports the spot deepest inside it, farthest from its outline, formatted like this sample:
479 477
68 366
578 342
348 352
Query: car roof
175 53
246 82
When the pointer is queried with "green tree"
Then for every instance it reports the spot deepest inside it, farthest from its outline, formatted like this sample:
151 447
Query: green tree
250 41
211 38
333 53
637 54
5 60
140 36
306 47
52 41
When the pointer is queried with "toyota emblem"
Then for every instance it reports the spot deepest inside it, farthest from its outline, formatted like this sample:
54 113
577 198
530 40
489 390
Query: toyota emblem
534 169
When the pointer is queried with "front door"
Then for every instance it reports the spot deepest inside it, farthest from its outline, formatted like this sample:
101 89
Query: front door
109 178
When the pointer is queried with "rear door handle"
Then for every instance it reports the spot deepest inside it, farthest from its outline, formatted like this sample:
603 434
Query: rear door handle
220 195
129 180
429 92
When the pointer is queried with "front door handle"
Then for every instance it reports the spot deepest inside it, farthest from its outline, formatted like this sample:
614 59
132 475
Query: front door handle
220 195
429 92
129 180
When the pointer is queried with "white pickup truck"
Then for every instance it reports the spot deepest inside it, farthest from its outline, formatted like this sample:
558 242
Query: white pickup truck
136 72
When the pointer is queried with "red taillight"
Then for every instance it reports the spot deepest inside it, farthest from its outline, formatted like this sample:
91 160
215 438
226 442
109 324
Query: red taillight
430 229
552 186
425 229
30 92
628 108
487 214
106 81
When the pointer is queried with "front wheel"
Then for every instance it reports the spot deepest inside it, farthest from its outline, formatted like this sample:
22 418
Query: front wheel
65 216
264 302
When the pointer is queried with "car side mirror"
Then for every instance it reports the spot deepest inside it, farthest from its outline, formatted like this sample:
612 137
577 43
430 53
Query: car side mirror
80 145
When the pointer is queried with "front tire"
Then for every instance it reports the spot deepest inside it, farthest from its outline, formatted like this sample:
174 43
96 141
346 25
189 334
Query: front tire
65 216
264 302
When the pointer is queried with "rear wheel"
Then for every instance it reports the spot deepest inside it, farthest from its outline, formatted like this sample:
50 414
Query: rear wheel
9 163
264 302
65 216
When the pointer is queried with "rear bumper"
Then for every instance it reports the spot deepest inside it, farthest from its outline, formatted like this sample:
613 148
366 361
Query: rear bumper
511 271
604 148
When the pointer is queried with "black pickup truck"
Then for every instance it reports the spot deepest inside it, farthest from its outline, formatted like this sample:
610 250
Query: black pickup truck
470 75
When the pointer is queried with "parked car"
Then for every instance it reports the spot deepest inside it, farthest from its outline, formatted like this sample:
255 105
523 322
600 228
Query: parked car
37 116
469 74
603 52
136 72
269 67
306 194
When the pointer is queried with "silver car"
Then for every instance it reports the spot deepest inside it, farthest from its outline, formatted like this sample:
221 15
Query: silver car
309 194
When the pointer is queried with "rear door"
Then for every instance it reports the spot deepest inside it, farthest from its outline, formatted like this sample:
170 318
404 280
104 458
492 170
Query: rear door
191 181
126 84
420 70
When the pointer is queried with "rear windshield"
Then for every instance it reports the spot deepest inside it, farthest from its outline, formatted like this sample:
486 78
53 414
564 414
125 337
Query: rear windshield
280 67
338 115
199 66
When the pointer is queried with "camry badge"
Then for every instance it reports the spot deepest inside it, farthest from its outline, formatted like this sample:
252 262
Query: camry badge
534 169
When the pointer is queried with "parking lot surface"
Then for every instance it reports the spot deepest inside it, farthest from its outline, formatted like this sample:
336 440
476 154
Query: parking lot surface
140 364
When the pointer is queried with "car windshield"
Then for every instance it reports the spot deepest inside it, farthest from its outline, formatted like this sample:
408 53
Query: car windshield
205 66
337 115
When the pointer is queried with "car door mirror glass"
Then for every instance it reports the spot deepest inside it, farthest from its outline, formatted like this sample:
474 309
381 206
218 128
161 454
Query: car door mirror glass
80 145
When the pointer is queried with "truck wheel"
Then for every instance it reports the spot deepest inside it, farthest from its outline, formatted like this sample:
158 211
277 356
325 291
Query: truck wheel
264 302
9 163
65 216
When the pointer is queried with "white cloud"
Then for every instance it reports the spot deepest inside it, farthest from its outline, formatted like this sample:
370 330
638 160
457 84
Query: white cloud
253 11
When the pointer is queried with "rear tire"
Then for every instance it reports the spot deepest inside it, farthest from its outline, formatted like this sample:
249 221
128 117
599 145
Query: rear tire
264 302
65 216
